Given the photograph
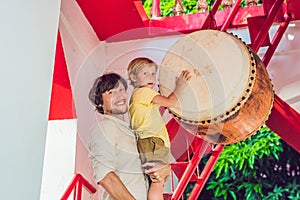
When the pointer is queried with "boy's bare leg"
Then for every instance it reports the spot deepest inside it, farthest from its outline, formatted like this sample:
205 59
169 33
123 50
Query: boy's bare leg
156 191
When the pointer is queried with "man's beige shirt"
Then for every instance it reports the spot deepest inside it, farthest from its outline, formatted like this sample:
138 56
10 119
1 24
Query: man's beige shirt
112 146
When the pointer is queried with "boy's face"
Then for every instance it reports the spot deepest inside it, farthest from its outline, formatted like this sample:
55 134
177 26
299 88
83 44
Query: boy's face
115 101
145 77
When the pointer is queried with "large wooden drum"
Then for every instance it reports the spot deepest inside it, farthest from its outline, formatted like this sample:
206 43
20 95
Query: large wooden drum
230 94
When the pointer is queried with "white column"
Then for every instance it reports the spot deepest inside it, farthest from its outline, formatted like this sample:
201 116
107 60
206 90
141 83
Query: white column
28 37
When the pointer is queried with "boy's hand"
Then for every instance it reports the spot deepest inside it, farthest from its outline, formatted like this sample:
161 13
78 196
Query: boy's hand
182 80
157 172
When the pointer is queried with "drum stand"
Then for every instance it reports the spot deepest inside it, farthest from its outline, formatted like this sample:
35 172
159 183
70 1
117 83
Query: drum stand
188 171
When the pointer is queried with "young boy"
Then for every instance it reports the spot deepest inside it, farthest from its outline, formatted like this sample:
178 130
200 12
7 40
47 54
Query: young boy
153 140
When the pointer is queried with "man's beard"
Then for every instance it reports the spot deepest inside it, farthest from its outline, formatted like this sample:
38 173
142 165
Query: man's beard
119 112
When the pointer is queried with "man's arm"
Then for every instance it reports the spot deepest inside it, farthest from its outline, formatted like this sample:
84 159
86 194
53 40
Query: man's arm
115 187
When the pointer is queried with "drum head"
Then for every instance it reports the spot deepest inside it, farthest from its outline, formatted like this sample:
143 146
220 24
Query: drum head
222 70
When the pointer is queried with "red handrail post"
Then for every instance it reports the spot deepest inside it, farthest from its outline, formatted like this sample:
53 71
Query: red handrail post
70 187
75 191
231 15
211 13
282 28
199 151
206 172
76 184
265 29
90 188
79 190
155 9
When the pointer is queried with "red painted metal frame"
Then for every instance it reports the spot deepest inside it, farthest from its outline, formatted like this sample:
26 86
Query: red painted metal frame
155 8
293 8
206 172
284 120
277 37
231 15
254 27
269 21
211 14
76 185
140 9
198 153
267 4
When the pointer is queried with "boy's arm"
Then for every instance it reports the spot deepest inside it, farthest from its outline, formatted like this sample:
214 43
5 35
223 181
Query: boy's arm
115 187
172 99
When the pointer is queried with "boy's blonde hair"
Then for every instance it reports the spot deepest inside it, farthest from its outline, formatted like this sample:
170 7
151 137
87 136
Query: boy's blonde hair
137 64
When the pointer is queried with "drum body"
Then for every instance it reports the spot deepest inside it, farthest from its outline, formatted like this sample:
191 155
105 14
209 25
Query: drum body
230 94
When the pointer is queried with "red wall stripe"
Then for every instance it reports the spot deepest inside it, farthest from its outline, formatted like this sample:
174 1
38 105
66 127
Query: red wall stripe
61 103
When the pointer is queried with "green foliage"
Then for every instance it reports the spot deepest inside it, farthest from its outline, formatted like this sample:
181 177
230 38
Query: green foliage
190 6
147 6
166 6
261 167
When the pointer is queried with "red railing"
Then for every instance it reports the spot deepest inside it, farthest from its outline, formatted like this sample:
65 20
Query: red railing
257 43
76 185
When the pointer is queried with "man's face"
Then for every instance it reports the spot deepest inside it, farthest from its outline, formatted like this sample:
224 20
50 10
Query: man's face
115 101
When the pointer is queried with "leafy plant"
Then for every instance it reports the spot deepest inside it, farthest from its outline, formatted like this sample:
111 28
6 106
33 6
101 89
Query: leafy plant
261 167
166 6
190 6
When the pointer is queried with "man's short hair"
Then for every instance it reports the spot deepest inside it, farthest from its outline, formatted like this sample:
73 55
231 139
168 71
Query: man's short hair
102 84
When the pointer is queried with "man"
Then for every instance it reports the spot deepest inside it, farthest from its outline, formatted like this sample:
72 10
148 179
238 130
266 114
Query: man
112 144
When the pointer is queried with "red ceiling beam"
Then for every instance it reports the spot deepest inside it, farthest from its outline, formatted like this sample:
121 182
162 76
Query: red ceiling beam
285 121
109 18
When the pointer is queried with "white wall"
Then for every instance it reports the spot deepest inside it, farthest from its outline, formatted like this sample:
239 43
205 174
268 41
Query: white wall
28 37
59 159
